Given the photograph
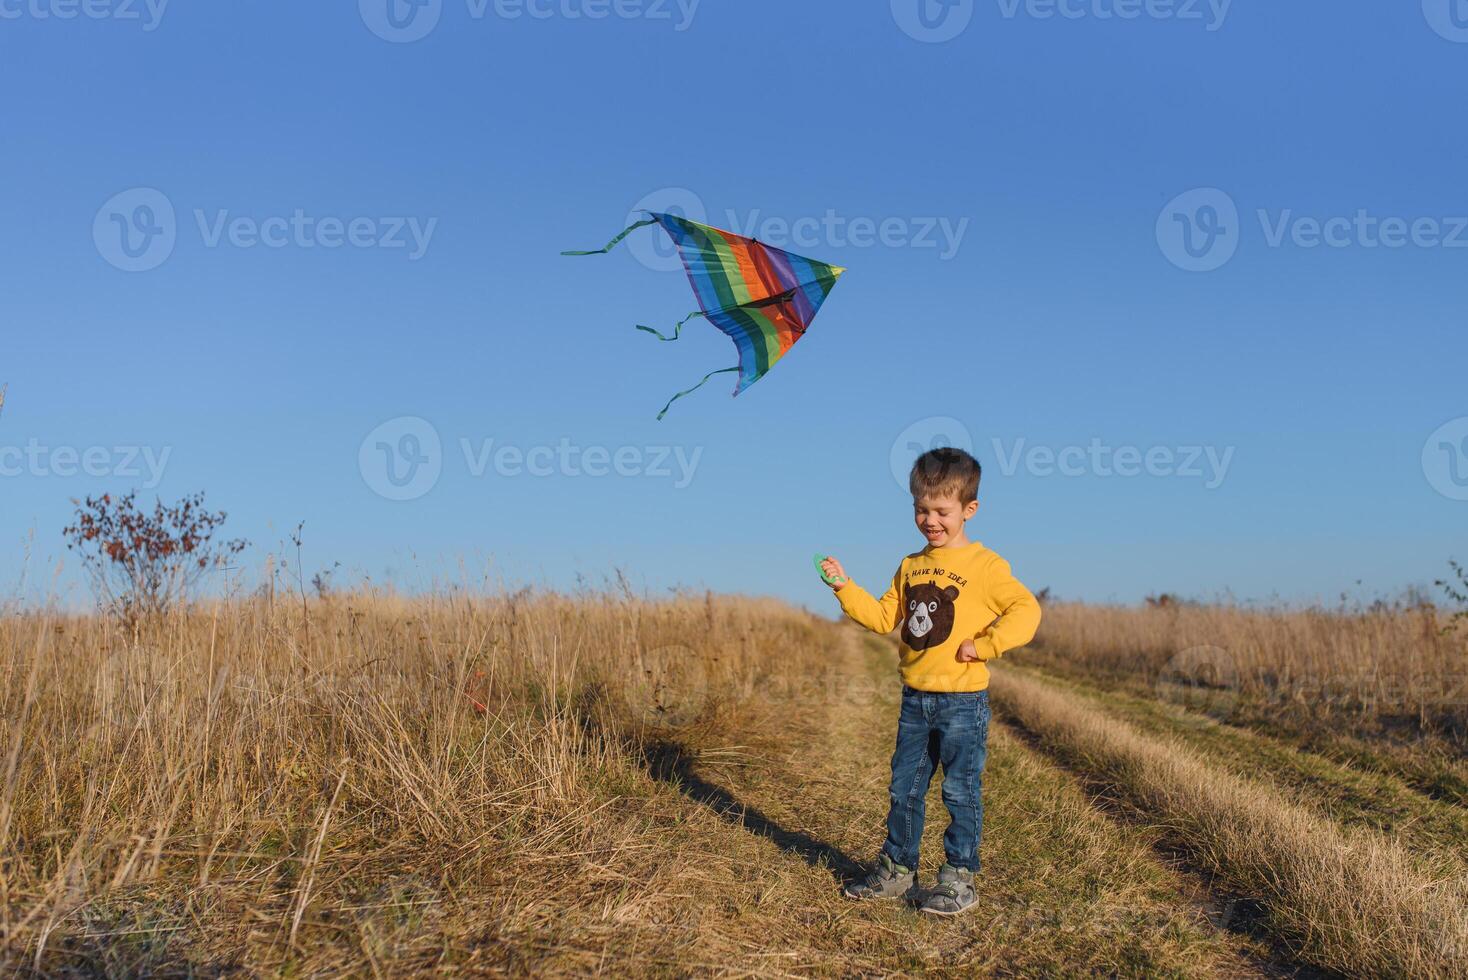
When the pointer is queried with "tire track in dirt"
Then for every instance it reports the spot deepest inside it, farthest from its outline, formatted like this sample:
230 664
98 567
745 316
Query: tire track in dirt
1066 887
1352 796
1346 899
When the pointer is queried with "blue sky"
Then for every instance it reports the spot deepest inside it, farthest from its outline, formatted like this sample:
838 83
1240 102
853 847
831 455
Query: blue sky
1188 277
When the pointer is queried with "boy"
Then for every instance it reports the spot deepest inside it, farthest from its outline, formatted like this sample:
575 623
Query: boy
960 607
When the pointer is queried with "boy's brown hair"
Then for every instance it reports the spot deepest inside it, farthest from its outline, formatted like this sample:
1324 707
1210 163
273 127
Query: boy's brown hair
946 472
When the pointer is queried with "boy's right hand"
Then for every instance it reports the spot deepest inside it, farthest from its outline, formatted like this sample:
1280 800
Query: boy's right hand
833 570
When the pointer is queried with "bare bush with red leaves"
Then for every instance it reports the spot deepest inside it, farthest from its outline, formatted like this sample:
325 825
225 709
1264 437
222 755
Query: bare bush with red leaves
141 563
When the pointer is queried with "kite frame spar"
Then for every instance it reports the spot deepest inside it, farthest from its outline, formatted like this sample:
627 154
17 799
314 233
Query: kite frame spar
764 298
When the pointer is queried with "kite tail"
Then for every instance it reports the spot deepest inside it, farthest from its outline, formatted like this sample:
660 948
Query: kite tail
676 330
613 243
693 389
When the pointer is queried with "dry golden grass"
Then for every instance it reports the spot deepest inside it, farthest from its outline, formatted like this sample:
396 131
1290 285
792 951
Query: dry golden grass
248 789
536 783
1394 667
1351 901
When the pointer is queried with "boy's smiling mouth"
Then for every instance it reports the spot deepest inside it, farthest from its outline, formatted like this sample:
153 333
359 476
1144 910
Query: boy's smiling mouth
940 519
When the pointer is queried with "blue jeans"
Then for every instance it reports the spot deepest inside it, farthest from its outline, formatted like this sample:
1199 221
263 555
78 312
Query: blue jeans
933 728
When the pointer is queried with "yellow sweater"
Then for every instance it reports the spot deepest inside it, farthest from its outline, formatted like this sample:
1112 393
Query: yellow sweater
941 597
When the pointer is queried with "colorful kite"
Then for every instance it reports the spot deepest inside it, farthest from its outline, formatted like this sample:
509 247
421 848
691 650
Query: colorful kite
764 298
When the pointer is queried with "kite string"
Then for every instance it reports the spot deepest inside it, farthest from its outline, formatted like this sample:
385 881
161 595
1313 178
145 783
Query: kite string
615 241
693 389
676 330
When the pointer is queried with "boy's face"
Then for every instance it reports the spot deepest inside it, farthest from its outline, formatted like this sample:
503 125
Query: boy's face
941 518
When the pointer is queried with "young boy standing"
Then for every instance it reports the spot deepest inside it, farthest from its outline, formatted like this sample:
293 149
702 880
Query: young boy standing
959 606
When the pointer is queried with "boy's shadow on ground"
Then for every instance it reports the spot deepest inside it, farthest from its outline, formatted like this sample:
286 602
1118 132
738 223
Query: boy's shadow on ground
672 763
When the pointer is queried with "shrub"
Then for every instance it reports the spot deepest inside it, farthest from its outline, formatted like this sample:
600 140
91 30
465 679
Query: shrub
141 563
1456 589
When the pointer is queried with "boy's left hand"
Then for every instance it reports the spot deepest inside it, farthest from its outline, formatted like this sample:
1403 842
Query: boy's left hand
833 570
967 653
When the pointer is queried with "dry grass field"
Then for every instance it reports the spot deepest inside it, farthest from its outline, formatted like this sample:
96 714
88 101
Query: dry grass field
532 783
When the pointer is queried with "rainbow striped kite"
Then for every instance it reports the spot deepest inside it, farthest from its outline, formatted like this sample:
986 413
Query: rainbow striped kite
764 298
